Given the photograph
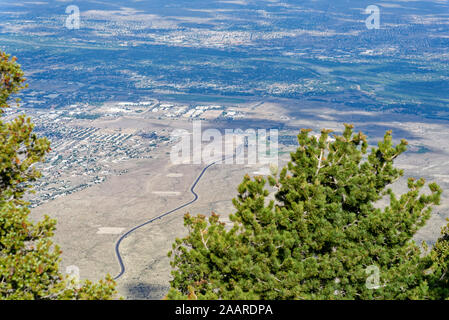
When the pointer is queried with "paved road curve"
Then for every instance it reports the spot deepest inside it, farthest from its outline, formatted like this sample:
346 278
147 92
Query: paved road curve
195 198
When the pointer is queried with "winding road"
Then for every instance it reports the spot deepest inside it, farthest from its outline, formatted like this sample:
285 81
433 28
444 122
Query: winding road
195 198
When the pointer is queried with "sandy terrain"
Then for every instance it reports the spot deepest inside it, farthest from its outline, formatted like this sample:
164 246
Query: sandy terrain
90 221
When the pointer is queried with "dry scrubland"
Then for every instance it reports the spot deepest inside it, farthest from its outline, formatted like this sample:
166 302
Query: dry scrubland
153 186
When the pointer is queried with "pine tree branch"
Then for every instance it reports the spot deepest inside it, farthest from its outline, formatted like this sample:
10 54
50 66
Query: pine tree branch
203 241
319 162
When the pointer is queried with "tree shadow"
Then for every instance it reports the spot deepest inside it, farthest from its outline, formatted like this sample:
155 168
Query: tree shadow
146 291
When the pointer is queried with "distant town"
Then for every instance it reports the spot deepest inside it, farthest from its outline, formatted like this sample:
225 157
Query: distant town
84 152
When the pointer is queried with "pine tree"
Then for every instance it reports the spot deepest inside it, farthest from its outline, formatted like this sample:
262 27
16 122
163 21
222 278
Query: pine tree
323 237
29 261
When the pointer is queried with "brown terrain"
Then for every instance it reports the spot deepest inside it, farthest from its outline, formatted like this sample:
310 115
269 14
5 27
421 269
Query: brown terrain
91 221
